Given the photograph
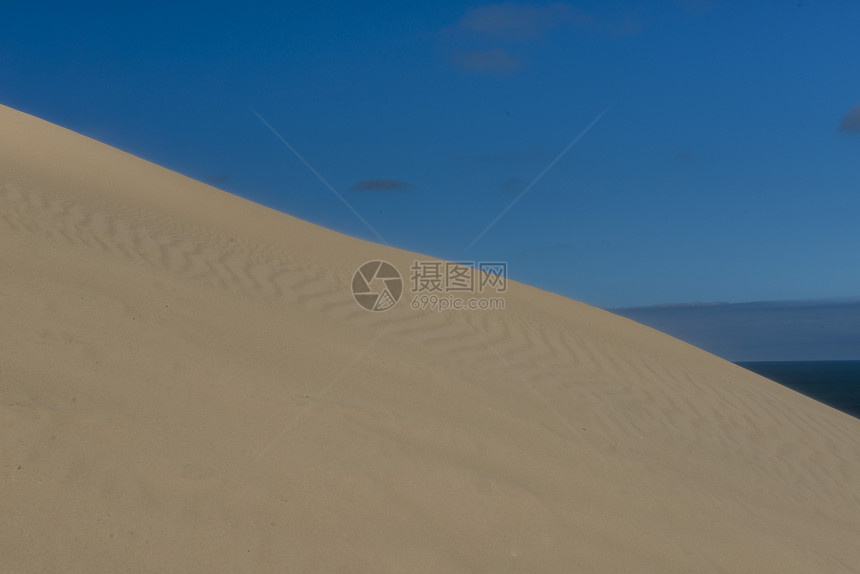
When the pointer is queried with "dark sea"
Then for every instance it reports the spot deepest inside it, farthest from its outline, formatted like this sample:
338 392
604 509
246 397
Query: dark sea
835 383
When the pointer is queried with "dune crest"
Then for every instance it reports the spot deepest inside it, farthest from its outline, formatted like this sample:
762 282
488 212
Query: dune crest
186 384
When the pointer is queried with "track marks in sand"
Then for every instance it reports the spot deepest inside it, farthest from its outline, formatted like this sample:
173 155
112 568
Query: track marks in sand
164 244
622 395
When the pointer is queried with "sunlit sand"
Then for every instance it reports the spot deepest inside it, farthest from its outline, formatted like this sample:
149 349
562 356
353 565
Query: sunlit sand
188 385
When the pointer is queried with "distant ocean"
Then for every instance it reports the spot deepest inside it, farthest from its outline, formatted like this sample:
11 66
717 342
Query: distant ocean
834 383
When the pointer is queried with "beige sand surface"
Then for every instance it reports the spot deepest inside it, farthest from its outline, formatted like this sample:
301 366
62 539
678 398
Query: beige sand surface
186 385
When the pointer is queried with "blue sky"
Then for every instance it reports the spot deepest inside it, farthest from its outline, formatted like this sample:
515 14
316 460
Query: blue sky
726 166
818 330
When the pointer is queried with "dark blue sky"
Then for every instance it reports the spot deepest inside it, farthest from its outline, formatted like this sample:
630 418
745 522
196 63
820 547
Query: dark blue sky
762 331
727 166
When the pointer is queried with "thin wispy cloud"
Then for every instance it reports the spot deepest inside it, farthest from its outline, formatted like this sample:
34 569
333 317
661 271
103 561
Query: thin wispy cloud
216 179
537 179
511 22
322 180
761 330
494 38
382 185
851 122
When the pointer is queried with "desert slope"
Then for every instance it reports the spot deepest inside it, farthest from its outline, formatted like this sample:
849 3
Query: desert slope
187 385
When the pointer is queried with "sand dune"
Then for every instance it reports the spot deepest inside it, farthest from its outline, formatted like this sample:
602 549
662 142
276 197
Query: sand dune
187 385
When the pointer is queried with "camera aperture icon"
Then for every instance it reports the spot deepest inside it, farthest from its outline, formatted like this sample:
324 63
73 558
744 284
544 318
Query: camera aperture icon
377 286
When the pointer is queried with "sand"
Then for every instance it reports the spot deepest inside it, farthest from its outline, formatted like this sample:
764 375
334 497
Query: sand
187 385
